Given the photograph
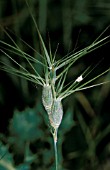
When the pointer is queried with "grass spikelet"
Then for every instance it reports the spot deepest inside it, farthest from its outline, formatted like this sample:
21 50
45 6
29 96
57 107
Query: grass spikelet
56 113
47 98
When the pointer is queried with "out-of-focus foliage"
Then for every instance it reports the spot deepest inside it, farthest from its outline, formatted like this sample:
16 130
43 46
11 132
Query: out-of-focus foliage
29 123
83 139
6 159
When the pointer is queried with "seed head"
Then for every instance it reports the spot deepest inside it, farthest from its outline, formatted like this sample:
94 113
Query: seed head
47 98
56 113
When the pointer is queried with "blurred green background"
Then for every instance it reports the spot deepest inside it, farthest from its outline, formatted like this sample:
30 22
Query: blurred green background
84 135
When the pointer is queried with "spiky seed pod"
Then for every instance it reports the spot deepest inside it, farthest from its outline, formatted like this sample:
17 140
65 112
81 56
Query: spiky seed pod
47 98
56 113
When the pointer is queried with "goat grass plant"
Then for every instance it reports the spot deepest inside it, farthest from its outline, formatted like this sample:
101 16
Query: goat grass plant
54 88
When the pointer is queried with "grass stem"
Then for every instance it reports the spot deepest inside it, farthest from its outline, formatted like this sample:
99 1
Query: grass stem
55 149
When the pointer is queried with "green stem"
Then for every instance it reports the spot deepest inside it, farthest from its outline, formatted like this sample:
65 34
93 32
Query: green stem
55 149
56 154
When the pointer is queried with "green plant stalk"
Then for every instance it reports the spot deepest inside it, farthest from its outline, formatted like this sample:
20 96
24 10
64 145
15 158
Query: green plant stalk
55 149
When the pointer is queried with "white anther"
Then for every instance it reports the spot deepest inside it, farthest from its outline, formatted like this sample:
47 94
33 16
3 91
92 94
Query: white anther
79 79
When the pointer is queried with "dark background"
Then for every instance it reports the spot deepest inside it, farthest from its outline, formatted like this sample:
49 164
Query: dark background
25 140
